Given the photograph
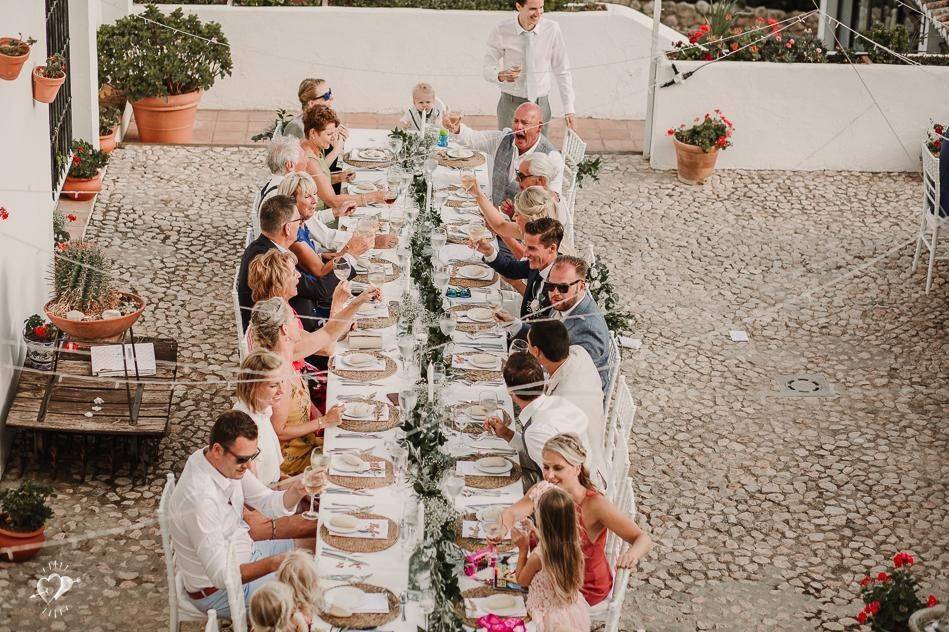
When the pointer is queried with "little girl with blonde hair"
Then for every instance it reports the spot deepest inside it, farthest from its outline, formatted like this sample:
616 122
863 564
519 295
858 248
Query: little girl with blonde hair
271 610
299 572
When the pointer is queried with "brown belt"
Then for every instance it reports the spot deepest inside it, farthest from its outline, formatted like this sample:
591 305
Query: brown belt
204 592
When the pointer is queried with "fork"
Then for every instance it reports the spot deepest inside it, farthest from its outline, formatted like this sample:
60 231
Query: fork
403 600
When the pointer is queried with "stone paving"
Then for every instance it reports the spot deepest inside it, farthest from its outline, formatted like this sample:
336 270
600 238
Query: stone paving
765 509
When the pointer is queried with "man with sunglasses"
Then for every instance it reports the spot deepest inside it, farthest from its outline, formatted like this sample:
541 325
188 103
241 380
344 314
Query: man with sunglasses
570 302
206 516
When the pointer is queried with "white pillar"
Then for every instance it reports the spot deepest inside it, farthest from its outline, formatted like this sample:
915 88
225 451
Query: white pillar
84 69
653 62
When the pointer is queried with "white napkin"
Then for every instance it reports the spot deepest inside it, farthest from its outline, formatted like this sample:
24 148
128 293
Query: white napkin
462 362
489 339
382 415
468 468
365 340
374 310
373 472
375 603
362 526
472 529
480 608
377 365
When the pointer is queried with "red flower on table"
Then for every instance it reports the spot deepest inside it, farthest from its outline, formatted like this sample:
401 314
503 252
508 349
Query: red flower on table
932 601
874 607
862 617
883 577
70 218
4 214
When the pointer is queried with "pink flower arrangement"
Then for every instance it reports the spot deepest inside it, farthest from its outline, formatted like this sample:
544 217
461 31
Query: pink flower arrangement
494 623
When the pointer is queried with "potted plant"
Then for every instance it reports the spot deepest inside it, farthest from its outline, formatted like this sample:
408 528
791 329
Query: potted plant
40 337
697 146
85 305
48 79
890 599
60 232
108 127
14 51
23 516
84 178
163 70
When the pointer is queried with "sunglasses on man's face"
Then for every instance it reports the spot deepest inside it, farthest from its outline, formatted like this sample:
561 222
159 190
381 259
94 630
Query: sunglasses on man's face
241 460
562 288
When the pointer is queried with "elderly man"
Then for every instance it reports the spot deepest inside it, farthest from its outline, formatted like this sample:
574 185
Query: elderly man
508 147
572 375
206 515
566 291
542 416
522 55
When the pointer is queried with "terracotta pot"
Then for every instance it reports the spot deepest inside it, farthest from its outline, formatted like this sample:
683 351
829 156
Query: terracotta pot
693 164
167 119
98 329
82 189
107 142
111 96
18 539
44 88
10 67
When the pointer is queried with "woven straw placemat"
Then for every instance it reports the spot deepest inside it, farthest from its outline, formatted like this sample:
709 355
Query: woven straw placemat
366 621
478 593
372 425
365 376
366 482
473 544
461 203
365 164
362 545
396 271
469 326
467 163
380 323
491 482
472 429
479 375
459 282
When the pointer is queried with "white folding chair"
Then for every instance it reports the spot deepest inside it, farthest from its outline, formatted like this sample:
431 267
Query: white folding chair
621 423
238 322
255 215
615 358
610 610
235 592
211 625
931 223
574 149
180 608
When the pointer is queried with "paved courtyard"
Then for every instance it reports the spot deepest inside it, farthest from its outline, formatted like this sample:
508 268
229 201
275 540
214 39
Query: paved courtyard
766 509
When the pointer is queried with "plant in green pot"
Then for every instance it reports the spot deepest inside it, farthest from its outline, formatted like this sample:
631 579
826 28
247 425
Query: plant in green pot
23 516
162 64
84 178
14 51
48 79
85 305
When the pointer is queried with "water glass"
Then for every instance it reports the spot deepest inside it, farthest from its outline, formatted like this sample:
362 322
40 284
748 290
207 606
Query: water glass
441 277
342 269
406 347
447 323
366 227
429 166
441 196
395 145
439 237
407 399
469 182
518 345
452 485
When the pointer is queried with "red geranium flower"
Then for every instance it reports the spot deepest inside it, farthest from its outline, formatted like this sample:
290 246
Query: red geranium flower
62 246
883 577
866 581
903 559
774 25
862 617
932 601
874 607
75 160
40 331
670 132
4 214
70 218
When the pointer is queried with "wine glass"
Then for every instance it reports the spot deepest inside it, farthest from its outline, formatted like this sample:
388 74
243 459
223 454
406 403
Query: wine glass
366 227
395 146
494 299
342 269
396 222
441 196
469 182
429 166
406 187
390 195
493 530
426 602
441 277
314 481
406 347
439 237
452 485
407 399
447 323
518 345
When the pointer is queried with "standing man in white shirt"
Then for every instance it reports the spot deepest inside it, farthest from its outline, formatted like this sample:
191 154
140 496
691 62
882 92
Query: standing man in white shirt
522 55
206 515
541 417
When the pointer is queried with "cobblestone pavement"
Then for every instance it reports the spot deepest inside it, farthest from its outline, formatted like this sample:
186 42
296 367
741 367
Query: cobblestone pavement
765 509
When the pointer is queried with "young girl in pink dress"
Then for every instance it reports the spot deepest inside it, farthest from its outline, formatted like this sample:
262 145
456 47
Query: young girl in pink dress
553 573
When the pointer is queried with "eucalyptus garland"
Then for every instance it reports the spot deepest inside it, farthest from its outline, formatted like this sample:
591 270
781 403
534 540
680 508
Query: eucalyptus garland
415 149
598 282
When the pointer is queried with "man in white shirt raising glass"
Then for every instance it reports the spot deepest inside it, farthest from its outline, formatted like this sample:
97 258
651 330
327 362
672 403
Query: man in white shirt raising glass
522 55
206 516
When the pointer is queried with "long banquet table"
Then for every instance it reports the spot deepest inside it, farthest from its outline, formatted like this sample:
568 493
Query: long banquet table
389 568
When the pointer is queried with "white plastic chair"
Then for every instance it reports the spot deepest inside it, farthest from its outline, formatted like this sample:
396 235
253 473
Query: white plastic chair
235 591
615 358
180 608
574 149
610 609
930 223
238 322
255 215
211 625
619 424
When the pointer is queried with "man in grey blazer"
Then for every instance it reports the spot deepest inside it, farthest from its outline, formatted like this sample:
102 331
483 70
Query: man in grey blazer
571 303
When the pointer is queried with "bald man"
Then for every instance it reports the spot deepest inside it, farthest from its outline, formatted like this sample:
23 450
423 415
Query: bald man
509 146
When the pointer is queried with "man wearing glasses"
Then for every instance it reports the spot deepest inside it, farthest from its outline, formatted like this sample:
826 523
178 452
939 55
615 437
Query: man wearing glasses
206 516
571 303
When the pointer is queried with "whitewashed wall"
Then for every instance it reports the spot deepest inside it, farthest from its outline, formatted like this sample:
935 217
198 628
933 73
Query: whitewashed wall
372 57
807 116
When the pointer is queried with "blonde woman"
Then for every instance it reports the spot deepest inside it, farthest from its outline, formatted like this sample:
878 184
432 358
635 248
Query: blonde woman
300 573
553 573
260 388
563 457
271 610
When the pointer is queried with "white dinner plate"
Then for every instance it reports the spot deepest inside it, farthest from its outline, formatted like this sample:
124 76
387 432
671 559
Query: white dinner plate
342 523
475 273
459 153
480 315
362 187
483 360
494 465
477 412
370 154
359 410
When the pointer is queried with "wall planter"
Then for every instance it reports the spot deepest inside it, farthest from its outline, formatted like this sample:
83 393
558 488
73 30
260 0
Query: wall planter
82 189
84 178
48 79
14 51
167 119
108 126
39 338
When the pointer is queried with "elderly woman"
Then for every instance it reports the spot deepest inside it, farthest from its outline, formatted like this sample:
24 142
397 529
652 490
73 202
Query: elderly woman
563 458
320 129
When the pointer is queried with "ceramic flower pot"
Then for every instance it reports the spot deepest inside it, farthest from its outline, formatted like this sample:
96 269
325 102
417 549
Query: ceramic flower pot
45 89
32 540
167 119
693 165
39 355
82 189
101 328
921 619
10 66
107 142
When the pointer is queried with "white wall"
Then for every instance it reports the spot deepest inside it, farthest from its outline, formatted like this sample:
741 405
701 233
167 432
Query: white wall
359 50
806 116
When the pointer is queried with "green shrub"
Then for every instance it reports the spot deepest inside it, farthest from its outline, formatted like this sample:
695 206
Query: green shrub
85 161
143 59
25 509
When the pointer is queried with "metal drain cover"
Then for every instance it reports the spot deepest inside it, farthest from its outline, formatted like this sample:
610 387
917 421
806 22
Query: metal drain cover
805 385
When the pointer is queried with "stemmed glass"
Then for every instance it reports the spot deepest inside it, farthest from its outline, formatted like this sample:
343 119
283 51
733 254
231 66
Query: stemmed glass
441 277
406 347
400 456
406 188
439 237
489 402
452 485
314 480
407 399
342 269
447 323
429 166
395 146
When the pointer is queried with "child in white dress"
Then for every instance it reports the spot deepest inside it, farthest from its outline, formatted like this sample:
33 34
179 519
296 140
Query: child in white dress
425 107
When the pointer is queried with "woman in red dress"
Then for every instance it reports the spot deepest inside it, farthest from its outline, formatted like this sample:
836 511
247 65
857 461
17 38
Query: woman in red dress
563 457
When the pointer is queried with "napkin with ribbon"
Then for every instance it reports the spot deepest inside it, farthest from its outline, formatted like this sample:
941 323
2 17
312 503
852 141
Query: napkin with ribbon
368 529
376 470
468 468
459 361
365 339
476 607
